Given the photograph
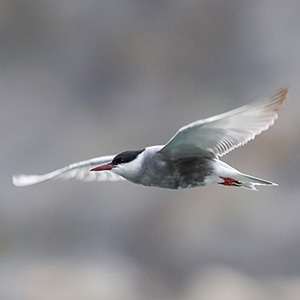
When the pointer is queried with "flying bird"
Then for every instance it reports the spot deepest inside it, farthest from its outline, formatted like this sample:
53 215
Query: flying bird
189 159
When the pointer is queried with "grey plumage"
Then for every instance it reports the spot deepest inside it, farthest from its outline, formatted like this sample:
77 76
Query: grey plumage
189 159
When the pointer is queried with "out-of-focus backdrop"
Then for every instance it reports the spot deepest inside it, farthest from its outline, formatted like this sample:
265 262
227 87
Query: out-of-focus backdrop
85 78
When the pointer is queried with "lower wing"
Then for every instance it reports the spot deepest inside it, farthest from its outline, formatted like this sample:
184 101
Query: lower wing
79 171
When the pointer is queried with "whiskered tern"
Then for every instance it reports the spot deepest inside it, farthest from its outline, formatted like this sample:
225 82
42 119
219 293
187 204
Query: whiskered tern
189 159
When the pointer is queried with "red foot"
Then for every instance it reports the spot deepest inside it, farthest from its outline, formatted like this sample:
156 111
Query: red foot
229 181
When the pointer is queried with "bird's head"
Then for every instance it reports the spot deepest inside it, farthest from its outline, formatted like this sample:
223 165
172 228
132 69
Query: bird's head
125 162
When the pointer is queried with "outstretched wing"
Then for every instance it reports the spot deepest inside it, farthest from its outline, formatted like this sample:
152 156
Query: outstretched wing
79 170
218 135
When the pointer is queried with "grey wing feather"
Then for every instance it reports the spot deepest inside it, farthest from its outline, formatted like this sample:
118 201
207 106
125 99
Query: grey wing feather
218 135
79 170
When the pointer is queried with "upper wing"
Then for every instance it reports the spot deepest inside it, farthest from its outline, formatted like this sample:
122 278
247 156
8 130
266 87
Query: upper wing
79 170
220 134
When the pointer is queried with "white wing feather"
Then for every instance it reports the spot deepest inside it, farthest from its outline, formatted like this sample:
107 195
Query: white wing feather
79 170
218 135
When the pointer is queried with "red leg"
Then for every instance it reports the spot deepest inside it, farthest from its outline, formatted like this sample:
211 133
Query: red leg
229 181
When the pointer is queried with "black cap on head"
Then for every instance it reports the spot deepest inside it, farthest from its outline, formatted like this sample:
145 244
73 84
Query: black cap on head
126 156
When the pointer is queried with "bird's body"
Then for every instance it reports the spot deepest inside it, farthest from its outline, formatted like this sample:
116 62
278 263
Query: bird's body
155 169
189 159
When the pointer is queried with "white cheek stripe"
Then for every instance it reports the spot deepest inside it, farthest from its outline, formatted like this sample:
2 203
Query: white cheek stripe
131 168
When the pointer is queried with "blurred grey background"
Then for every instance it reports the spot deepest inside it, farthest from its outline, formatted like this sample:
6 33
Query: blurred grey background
85 78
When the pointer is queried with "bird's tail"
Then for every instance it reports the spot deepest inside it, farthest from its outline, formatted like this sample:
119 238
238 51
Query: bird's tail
231 177
246 181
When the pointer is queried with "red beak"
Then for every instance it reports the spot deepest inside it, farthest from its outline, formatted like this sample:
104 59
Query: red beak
103 168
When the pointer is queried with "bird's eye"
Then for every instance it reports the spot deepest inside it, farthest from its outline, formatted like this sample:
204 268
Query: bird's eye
119 160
